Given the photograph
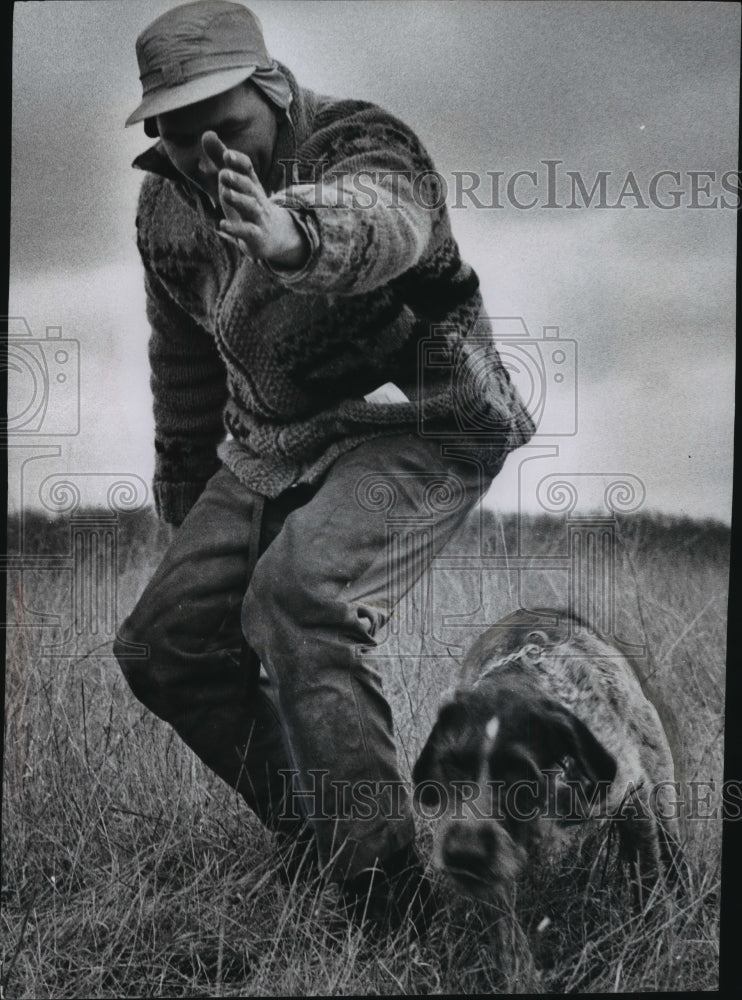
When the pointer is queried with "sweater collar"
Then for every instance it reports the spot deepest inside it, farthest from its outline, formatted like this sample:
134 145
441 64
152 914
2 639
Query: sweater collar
294 127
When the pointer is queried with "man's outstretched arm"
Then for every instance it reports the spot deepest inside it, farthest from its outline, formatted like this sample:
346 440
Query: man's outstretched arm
264 229
372 210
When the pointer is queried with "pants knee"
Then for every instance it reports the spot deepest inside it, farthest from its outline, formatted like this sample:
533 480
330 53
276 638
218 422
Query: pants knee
278 612
297 624
281 596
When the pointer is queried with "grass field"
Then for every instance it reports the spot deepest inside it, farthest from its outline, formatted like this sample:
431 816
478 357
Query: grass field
129 870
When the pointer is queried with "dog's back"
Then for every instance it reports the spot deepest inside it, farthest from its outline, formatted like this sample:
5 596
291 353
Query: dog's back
589 676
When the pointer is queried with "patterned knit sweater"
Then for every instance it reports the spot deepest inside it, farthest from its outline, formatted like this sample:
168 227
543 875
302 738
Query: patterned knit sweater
282 361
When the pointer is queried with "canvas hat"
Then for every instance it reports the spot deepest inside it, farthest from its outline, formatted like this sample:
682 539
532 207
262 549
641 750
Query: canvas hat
196 51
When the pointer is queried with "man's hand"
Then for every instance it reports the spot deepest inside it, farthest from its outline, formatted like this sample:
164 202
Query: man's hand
263 229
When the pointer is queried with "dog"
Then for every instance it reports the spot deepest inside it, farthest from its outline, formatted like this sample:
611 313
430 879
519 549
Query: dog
548 728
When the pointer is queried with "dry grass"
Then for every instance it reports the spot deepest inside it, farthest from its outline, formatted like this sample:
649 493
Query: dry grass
129 870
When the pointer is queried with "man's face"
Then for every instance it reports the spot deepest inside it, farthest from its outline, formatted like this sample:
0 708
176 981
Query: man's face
242 118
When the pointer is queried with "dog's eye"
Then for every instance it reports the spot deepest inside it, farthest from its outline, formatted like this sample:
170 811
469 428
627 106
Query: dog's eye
516 764
454 763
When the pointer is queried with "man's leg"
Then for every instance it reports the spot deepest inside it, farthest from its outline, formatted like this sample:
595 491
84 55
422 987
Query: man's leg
318 595
196 671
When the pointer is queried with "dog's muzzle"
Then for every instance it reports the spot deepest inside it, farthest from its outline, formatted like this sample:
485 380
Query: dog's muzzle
480 856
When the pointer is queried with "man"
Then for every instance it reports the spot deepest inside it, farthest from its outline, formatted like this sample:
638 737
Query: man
297 257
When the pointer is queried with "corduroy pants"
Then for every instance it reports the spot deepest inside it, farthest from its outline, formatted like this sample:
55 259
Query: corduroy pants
301 584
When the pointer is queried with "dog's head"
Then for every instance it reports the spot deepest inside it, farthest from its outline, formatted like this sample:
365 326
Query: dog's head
498 761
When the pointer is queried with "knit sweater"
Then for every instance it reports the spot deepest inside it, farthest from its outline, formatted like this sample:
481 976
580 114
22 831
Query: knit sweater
282 360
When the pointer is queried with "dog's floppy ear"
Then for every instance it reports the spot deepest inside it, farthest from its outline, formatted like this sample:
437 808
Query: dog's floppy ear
426 777
576 740
452 717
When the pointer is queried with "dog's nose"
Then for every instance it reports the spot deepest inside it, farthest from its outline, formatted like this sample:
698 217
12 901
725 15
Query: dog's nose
469 847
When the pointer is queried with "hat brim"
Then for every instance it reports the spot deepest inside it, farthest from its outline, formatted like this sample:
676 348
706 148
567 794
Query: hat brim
191 92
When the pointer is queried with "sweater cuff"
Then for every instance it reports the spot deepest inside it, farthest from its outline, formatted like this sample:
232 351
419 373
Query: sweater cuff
174 500
311 234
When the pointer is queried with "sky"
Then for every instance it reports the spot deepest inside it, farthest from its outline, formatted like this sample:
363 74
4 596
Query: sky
643 296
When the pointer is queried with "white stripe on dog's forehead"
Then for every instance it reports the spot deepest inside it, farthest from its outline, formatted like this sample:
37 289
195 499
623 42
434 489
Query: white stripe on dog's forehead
492 728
